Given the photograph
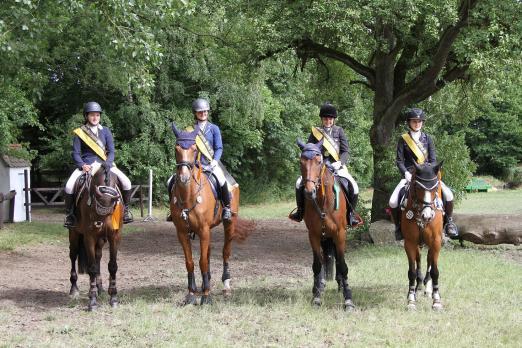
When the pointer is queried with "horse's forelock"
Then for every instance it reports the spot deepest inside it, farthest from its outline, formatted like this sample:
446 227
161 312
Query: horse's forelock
310 150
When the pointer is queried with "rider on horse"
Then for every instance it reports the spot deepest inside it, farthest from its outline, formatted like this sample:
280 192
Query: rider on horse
417 146
93 147
212 144
335 151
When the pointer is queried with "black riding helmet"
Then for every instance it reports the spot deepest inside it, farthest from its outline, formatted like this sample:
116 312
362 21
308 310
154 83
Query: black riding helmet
415 114
91 107
200 104
328 110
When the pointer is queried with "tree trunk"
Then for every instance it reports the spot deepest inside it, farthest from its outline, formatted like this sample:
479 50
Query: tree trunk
490 229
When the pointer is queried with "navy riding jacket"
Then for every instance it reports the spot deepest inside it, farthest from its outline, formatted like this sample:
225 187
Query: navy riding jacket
83 154
406 157
337 134
213 136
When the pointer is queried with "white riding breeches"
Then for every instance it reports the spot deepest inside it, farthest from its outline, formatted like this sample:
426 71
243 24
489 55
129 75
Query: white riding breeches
343 172
95 166
394 199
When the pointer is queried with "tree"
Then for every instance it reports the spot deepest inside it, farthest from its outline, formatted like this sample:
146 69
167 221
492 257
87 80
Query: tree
403 50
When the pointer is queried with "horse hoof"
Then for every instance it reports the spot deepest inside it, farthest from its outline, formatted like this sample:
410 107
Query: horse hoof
92 307
412 306
206 299
190 299
227 293
316 302
349 306
437 306
74 293
113 302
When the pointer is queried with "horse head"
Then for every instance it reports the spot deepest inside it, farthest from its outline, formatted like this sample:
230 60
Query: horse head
185 153
311 163
425 185
104 193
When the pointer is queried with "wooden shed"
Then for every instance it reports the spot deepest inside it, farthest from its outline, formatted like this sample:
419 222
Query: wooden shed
12 178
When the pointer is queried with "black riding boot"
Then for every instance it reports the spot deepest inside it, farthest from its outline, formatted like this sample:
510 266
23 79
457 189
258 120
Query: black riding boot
396 214
352 219
299 198
450 227
225 199
70 219
127 215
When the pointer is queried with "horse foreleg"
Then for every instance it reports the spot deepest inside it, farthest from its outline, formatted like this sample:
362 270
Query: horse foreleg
184 240
114 242
428 283
342 268
90 247
74 245
412 252
98 253
434 273
419 278
227 250
317 268
204 243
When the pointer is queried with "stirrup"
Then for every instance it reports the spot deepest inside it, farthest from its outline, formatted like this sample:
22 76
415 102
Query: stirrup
451 230
297 216
69 221
127 217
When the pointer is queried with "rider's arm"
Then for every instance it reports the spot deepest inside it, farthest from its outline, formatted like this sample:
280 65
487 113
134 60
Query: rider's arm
109 145
432 155
400 157
217 143
344 148
77 152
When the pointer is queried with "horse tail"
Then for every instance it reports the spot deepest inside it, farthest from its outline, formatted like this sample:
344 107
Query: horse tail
82 256
242 229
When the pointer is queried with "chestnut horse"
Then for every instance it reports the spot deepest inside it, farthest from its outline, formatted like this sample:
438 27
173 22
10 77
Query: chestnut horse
325 218
195 211
100 219
421 223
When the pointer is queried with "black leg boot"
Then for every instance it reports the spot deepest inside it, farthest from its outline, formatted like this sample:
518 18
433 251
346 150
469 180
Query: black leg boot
225 199
70 219
299 198
127 215
169 188
352 219
396 214
450 227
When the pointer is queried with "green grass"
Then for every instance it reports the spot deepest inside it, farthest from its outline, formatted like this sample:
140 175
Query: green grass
494 202
480 292
15 235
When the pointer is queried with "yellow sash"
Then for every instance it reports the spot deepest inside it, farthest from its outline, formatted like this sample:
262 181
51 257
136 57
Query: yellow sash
327 143
421 158
91 143
200 143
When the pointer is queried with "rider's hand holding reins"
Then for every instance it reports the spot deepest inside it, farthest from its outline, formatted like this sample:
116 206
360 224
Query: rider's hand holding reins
407 176
86 168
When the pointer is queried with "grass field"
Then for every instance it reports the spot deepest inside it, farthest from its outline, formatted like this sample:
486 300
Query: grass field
480 291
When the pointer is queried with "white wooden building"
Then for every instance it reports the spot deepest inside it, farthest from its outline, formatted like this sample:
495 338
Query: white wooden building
12 178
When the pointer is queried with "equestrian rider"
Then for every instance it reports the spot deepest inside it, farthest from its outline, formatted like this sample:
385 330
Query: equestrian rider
409 143
335 152
210 136
93 147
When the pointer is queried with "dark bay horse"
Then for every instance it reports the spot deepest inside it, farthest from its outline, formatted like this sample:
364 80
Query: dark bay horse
100 219
325 218
195 211
421 223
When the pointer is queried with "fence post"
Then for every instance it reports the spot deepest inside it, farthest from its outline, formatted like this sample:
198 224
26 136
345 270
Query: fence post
27 189
149 214
141 200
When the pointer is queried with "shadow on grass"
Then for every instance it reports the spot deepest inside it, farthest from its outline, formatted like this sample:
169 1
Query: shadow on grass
39 298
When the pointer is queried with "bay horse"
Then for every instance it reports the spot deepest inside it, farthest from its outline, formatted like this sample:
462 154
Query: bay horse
195 211
325 218
100 219
421 223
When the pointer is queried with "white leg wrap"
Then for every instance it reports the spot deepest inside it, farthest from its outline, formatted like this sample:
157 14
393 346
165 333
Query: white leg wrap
226 284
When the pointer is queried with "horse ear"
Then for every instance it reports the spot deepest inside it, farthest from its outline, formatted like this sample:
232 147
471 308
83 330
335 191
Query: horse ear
417 167
300 143
175 129
195 132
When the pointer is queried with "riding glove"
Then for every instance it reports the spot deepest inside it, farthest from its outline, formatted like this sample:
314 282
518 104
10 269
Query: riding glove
407 176
337 165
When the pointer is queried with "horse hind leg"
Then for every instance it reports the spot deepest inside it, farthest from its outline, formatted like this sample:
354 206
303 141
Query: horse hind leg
74 246
227 251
